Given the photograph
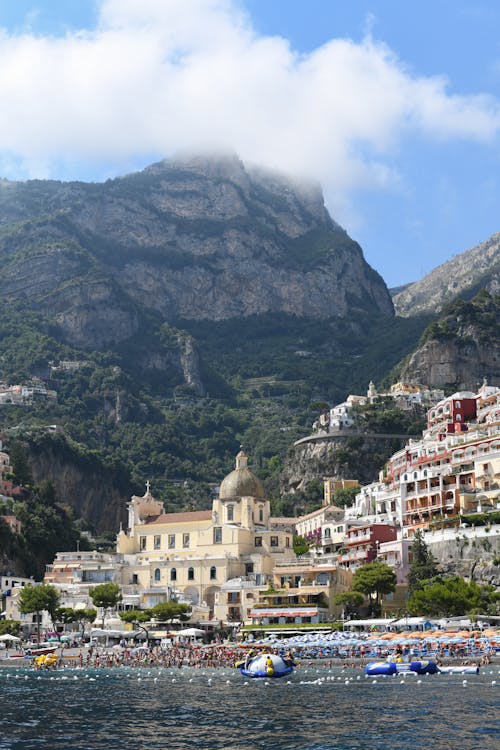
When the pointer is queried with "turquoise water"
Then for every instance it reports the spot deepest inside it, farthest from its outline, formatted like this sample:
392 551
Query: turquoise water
315 709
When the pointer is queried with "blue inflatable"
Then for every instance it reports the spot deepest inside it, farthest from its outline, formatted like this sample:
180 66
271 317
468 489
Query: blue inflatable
266 665
401 667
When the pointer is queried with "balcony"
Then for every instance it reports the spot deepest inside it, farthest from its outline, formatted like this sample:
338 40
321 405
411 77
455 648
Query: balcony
362 538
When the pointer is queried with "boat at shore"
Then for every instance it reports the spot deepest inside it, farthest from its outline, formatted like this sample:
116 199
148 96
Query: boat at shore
40 651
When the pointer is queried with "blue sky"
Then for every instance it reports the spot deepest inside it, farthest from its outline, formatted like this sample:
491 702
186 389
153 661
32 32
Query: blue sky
393 106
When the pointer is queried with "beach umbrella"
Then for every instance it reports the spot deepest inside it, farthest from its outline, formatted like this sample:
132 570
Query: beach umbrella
7 637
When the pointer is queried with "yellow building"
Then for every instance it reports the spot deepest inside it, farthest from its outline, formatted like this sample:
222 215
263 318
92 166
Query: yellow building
192 554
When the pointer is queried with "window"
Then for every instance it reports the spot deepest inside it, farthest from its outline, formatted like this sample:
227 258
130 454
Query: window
157 574
261 514
213 573
190 574
287 541
327 533
173 574
142 542
157 542
258 541
274 541
171 541
230 512
248 568
185 540
217 534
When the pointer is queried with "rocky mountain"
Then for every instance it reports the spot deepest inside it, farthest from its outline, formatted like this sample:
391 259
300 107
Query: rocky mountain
460 348
203 238
462 276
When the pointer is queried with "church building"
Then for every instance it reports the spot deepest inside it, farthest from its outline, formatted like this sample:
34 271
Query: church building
191 555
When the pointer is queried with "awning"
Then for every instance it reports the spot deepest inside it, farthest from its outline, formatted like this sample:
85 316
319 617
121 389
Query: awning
311 612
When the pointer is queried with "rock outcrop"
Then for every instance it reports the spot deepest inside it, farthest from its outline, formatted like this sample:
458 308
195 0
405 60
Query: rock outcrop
460 349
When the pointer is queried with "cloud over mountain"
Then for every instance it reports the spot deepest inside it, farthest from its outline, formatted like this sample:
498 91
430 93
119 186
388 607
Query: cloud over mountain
158 76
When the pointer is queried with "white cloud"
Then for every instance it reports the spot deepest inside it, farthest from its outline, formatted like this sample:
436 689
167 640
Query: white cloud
157 76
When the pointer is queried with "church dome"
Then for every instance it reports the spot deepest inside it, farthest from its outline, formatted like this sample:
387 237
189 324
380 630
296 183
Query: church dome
241 482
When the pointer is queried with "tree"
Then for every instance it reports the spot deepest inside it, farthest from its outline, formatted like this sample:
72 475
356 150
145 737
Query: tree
374 578
137 617
452 597
83 616
300 545
344 496
350 601
68 615
12 627
106 596
169 611
423 565
20 465
37 599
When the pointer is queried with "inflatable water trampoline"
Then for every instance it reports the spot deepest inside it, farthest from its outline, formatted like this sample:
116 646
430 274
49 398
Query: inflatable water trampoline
401 667
266 665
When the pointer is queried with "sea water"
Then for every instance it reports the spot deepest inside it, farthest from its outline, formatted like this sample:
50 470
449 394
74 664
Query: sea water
313 709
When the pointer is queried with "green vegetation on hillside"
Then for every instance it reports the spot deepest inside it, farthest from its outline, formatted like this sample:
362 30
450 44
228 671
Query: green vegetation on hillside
477 319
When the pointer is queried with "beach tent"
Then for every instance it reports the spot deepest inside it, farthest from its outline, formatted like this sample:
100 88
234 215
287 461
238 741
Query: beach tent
9 638
191 632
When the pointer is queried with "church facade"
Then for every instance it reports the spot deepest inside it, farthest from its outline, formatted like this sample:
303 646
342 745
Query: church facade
192 555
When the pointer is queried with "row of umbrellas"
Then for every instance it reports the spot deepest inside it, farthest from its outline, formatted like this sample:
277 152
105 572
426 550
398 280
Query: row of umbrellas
319 640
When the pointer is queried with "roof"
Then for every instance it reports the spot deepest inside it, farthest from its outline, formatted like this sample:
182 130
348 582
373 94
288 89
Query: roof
328 509
189 516
241 482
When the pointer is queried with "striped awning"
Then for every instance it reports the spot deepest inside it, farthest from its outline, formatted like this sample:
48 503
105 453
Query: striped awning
299 612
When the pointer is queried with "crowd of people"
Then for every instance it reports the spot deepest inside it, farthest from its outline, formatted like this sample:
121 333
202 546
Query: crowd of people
199 656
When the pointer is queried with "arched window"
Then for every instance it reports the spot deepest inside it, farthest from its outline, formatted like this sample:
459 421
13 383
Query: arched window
261 514
190 574
157 574
327 533
213 573
173 574
230 512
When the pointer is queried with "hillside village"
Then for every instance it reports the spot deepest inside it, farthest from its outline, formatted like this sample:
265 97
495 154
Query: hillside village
235 565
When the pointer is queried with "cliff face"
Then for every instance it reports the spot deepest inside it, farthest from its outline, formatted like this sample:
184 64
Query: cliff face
465 274
95 494
345 457
461 348
198 239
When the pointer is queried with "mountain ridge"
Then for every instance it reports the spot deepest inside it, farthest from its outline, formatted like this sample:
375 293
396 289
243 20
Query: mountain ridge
203 239
462 276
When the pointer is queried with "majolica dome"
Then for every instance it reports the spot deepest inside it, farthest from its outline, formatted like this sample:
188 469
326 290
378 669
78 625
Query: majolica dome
241 482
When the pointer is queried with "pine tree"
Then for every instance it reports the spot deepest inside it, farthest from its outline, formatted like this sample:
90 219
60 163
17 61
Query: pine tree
423 565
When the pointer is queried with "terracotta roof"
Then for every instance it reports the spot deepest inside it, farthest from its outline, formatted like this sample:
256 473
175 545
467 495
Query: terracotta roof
194 515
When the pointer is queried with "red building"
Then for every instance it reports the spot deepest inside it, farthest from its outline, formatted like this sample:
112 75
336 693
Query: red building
362 543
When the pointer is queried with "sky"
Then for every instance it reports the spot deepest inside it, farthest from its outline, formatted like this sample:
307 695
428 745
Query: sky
393 106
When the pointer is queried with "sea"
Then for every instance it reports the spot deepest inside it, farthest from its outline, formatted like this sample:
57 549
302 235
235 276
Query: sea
315 708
